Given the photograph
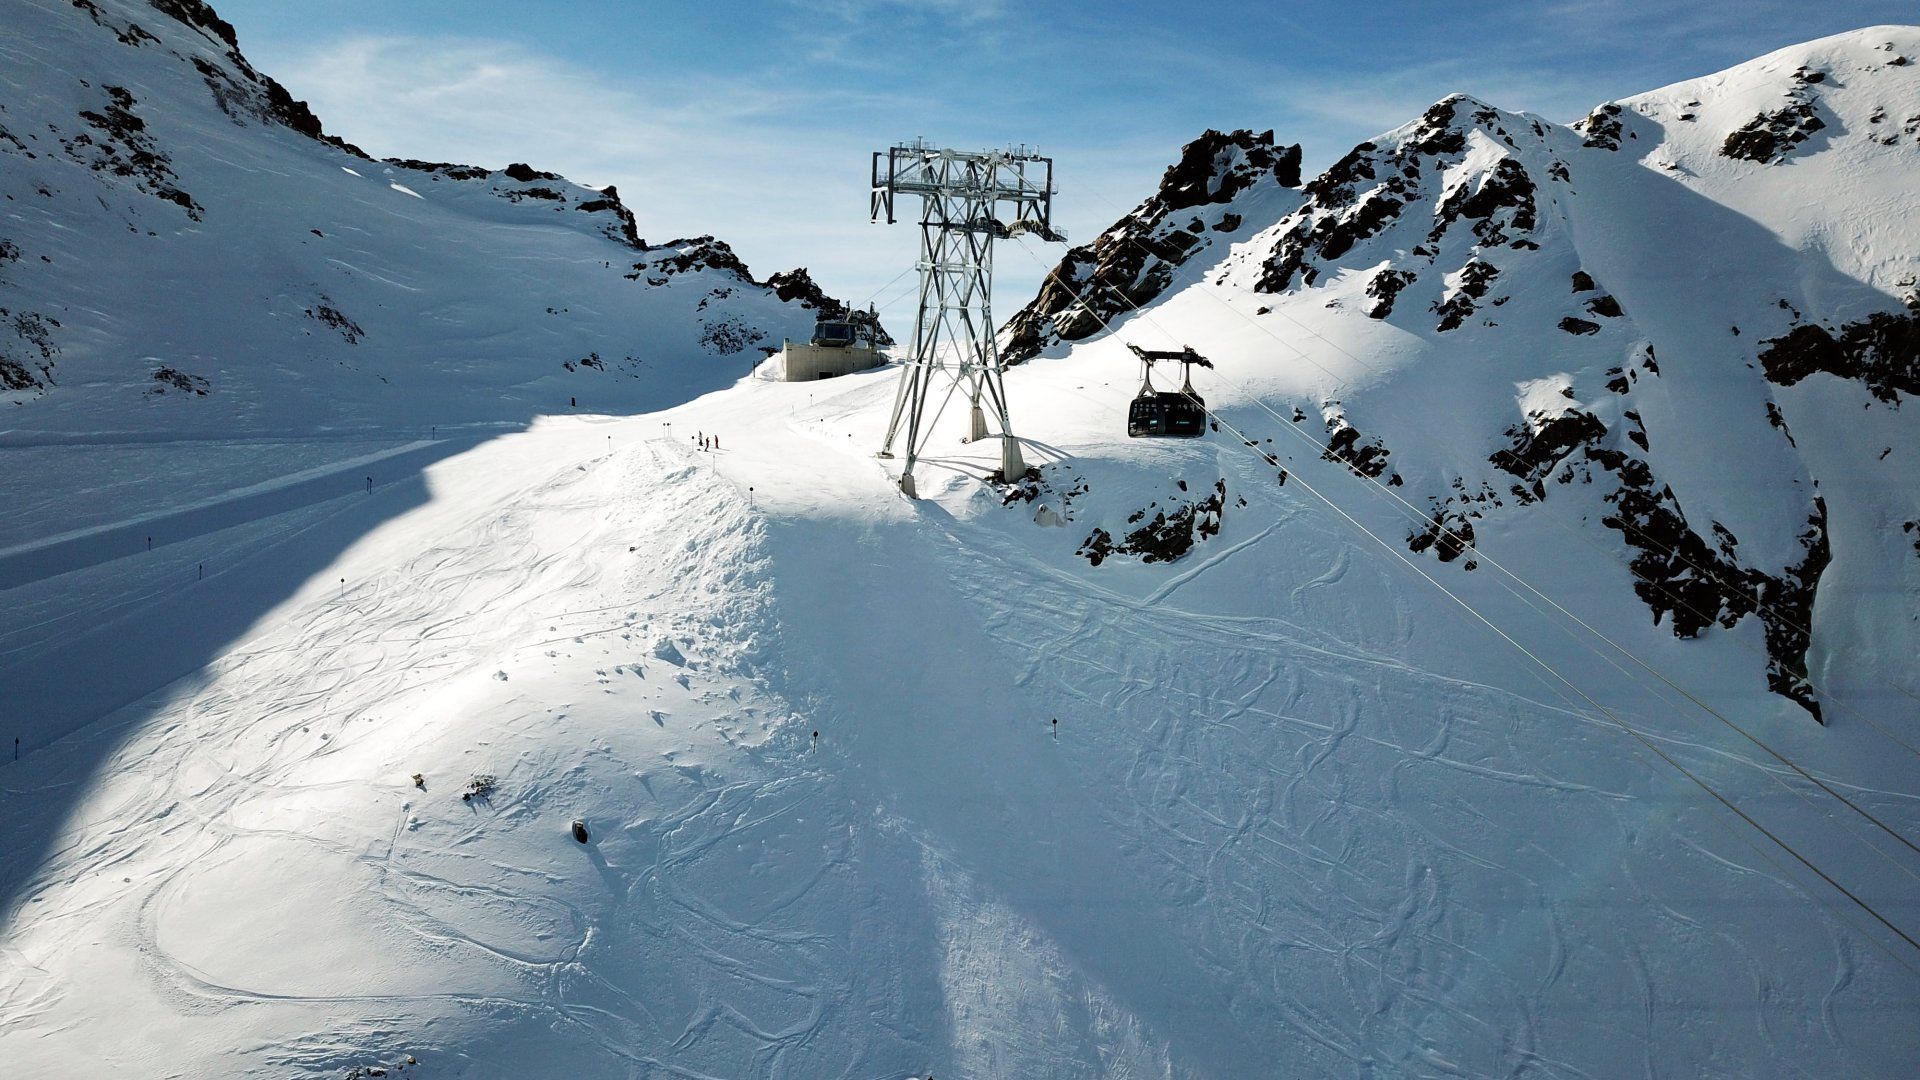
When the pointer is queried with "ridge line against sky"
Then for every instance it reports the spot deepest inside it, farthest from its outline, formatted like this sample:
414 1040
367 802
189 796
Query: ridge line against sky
753 121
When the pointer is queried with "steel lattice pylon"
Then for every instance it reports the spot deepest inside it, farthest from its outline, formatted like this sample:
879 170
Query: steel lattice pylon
963 195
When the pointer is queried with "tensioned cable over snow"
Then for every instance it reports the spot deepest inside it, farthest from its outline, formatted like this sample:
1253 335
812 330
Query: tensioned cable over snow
1785 617
1536 659
1468 545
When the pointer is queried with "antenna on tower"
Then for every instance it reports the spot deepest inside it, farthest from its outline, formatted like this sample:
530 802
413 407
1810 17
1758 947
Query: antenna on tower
968 200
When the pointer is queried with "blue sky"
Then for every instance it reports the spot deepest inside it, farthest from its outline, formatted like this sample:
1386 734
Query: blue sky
753 120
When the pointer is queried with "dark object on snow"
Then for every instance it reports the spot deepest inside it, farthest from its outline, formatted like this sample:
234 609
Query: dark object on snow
1178 413
579 830
478 787
419 781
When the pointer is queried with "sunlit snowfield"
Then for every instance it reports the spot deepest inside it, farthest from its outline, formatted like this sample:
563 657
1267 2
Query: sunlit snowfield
883 788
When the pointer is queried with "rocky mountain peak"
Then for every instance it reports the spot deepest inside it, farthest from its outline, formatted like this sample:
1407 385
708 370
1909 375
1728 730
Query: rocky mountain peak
1218 166
1219 189
138 136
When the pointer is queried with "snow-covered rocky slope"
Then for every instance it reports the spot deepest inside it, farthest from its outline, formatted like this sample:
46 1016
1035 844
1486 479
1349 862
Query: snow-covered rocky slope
1638 303
182 248
1154 764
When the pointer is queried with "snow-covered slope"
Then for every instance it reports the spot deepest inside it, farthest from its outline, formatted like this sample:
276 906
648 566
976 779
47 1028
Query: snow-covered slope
1154 764
183 249
1637 304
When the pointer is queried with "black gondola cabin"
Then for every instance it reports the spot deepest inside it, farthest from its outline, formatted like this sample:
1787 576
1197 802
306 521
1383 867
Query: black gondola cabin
1178 414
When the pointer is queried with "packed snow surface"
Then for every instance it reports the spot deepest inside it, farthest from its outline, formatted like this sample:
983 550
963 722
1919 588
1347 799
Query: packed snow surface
888 788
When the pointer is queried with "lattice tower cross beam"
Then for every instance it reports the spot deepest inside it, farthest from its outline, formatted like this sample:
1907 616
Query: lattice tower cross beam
962 194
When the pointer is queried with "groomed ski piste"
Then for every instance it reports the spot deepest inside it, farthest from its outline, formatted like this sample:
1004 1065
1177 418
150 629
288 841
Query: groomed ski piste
889 788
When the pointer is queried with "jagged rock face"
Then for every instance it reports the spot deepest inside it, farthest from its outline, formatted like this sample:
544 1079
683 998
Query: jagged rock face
1454 230
1432 203
138 137
1170 533
1602 128
1769 137
1881 351
1678 573
1134 261
798 285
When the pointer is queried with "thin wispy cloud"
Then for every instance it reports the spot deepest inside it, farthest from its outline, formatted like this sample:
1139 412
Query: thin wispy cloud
755 123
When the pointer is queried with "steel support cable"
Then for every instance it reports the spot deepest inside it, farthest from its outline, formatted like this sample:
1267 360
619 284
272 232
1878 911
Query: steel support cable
1793 624
1590 700
911 267
1421 517
1550 669
1468 545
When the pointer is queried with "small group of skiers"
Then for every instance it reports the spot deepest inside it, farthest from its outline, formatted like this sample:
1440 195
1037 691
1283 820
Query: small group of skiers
707 442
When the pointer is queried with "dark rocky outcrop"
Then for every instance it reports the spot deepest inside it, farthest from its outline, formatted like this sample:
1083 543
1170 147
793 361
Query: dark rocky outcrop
1377 186
1384 287
1677 573
1170 534
1449 533
26 362
1536 448
131 34
798 286
168 378
1134 260
1882 351
1507 186
267 99
1602 128
1475 278
527 174
1787 614
121 145
330 316
1367 456
627 230
447 169
724 337
1769 137
694 253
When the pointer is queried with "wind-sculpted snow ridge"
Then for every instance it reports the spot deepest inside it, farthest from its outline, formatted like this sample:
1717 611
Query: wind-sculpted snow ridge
175 214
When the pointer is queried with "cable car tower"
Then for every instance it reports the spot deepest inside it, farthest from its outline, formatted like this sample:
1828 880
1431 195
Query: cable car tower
968 199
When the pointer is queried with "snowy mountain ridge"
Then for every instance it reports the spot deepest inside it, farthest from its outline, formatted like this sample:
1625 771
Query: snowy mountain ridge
180 228
1436 227
548 742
